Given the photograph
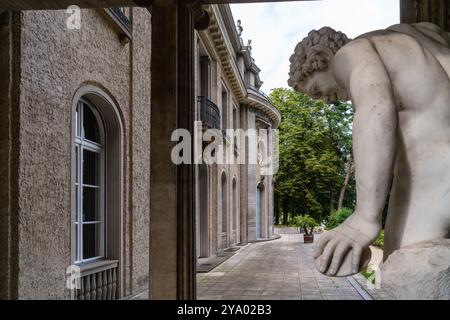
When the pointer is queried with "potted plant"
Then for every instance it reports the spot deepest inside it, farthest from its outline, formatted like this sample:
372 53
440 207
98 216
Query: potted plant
307 224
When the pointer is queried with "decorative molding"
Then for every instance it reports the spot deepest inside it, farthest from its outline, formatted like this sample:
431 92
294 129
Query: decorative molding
260 103
16 5
120 23
226 56
97 266
262 117
226 53
200 16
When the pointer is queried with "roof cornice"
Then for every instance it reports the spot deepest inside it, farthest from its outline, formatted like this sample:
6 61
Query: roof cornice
227 55
223 34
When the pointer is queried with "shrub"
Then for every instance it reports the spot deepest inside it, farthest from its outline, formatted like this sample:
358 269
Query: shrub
306 222
369 275
379 242
338 217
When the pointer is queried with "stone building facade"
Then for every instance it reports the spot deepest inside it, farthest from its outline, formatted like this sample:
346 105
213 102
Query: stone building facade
59 72
234 200
75 150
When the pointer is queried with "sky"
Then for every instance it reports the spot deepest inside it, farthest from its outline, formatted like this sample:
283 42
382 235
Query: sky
276 28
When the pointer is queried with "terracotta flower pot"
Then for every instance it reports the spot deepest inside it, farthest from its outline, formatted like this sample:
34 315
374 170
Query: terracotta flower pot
308 238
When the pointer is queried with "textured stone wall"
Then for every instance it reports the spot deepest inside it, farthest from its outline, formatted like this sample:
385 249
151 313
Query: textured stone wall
140 149
55 62
255 177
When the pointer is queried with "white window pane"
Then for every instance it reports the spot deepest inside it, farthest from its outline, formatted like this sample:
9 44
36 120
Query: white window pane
76 241
90 125
77 121
76 204
91 240
76 164
91 204
91 168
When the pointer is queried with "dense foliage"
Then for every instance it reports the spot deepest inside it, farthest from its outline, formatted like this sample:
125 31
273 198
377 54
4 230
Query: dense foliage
315 148
338 217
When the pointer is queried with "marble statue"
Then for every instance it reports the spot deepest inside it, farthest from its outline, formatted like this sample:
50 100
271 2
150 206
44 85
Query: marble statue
398 80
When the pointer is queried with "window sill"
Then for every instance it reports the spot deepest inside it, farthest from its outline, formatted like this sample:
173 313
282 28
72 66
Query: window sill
97 266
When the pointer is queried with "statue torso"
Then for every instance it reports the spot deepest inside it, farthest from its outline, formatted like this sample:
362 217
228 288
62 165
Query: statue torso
417 60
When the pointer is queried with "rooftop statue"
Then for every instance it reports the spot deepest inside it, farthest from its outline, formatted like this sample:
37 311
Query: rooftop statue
398 80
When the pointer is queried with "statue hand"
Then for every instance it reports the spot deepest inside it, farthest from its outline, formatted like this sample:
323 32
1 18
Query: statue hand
345 250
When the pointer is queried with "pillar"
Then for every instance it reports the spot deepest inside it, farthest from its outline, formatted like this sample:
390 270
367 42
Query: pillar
172 214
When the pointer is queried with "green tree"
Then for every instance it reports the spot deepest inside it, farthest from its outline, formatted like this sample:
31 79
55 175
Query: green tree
315 141
340 118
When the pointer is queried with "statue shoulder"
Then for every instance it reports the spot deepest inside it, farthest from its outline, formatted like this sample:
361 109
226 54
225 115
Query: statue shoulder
351 57
354 49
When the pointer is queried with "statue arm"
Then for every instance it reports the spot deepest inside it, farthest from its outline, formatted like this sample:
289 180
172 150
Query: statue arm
374 148
374 134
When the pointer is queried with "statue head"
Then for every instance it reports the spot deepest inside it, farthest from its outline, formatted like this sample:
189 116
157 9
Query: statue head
310 70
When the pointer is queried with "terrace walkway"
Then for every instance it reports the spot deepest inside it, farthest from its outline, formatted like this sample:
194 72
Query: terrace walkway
274 270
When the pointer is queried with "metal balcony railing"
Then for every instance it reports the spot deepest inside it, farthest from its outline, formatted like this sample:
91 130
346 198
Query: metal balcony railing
209 113
258 91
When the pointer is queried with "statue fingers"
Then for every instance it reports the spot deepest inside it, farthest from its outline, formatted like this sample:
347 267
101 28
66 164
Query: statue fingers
327 255
356 257
338 256
323 240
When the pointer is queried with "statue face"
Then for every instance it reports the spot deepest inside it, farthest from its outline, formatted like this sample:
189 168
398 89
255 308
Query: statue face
321 85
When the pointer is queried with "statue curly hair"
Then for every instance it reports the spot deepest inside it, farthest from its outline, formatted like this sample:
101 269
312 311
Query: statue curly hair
313 54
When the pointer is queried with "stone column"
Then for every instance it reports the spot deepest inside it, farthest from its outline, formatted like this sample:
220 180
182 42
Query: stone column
172 222
269 179
436 11
243 181
251 181
9 153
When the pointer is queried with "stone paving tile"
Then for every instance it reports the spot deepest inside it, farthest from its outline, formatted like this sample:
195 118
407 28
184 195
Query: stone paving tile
311 297
279 269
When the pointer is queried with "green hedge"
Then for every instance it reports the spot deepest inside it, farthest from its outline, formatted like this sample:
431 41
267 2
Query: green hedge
338 217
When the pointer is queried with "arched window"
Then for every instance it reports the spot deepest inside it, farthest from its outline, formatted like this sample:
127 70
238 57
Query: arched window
96 237
89 184
224 203
224 113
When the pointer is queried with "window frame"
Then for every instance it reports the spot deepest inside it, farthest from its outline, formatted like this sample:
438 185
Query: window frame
225 106
81 144
224 202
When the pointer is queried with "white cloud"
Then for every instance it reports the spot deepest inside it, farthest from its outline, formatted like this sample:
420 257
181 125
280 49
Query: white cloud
275 28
